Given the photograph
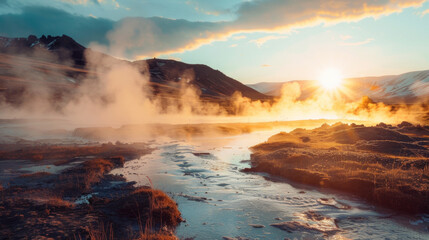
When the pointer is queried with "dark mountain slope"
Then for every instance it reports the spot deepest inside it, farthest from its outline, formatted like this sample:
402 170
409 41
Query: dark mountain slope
209 81
66 58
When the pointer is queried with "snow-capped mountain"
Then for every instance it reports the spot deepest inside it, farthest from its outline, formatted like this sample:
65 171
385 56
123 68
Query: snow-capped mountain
46 42
408 87
59 49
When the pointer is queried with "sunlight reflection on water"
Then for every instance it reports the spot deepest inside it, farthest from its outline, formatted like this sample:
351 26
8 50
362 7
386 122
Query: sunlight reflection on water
217 200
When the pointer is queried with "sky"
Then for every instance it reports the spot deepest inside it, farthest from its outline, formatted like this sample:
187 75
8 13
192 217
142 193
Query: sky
249 40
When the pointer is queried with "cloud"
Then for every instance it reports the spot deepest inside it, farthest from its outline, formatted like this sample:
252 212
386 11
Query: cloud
4 3
167 36
200 9
345 37
51 21
424 12
261 41
233 45
265 65
82 2
238 37
97 2
129 38
142 37
85 2
357 43
277 15
146 37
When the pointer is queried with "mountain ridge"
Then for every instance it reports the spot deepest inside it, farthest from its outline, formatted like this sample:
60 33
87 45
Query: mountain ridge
408 87
165 75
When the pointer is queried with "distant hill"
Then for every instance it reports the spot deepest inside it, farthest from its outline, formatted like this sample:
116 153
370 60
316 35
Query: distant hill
408 87
60 62
308 87
210 82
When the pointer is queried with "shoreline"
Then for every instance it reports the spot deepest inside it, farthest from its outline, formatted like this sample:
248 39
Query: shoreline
385 165
85 200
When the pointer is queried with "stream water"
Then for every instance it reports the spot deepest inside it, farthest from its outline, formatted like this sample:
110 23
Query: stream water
218 200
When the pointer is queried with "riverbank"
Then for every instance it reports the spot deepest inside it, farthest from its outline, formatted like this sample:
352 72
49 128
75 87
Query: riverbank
386 165
82 201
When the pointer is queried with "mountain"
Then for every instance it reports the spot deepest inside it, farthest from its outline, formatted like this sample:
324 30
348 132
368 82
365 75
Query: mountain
17 45
208 81
60 62
62 48
308 87
408 87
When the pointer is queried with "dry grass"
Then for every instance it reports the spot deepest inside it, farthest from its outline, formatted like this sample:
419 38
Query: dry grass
35 175
106 232
101 232
97 165
59 202
393 178
62 153
151 210
115 215
79 179
156 236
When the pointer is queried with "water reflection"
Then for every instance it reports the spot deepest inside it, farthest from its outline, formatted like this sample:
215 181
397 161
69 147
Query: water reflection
217 200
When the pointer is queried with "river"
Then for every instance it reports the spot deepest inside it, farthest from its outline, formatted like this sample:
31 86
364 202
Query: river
218 200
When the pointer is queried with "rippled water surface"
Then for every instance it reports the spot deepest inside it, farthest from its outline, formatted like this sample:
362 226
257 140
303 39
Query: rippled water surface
217 200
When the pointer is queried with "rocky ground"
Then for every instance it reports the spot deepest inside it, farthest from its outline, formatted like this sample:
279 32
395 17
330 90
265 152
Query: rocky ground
83 201
384 164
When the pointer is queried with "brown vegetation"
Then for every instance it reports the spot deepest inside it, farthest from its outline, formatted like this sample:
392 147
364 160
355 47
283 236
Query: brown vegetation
34 175
386 165
37 152
42 205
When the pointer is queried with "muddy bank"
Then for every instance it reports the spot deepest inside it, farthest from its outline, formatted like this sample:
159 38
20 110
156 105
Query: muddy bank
36 151
386 165
84 201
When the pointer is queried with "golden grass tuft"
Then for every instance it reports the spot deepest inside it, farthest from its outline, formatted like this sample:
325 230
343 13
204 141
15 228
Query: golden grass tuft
396 178
35 175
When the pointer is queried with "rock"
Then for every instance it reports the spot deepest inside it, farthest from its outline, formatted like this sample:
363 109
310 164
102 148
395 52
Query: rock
257 225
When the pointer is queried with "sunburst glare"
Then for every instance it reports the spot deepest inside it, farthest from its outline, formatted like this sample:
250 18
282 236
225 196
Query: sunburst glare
330 79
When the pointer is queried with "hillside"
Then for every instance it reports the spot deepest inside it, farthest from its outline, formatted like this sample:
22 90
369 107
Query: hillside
61 64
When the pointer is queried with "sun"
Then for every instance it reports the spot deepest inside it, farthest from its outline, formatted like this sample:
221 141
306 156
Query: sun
330 79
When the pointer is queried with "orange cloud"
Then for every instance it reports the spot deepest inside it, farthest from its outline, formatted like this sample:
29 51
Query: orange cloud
261 41
424 12
147 37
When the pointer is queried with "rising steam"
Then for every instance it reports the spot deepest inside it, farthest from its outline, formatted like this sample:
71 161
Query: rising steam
118 92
